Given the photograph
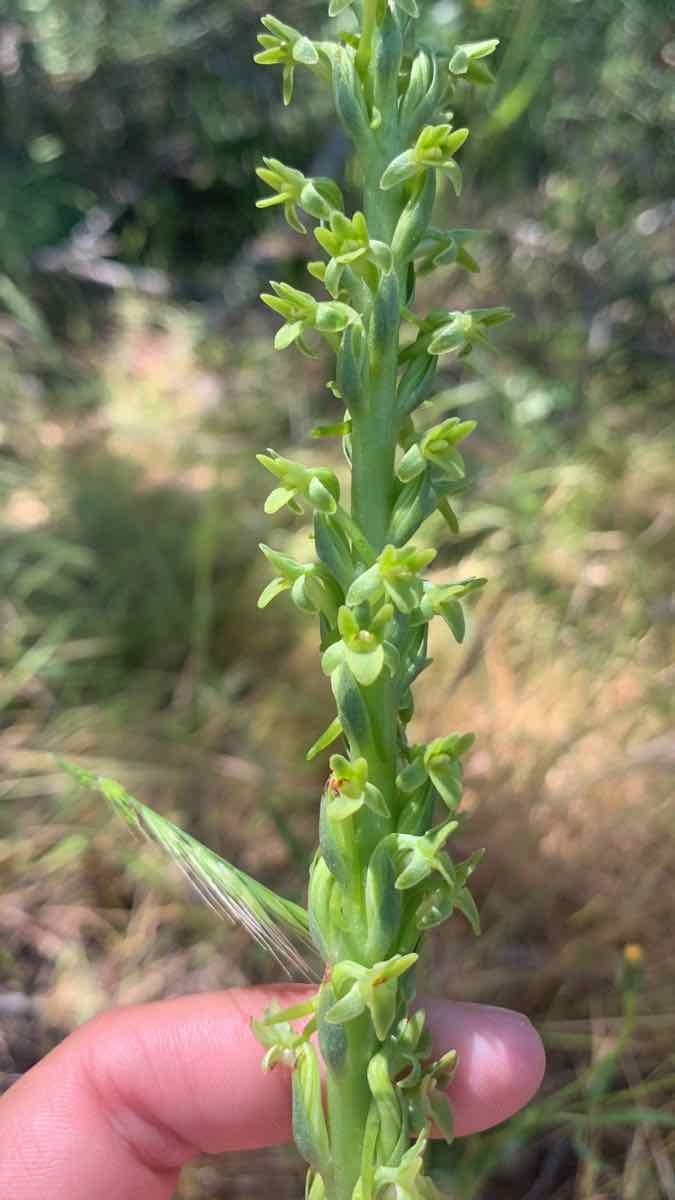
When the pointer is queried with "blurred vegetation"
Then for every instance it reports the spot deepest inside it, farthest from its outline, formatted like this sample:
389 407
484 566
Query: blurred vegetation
137 382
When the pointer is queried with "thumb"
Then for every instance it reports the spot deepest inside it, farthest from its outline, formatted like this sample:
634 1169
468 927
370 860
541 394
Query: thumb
117 1109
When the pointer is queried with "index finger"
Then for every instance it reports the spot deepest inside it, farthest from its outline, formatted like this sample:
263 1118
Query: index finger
123 1103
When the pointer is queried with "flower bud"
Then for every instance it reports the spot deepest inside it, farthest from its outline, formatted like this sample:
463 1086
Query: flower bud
310 1132
349 99
387 63
415 383
465 61
420 92
414 220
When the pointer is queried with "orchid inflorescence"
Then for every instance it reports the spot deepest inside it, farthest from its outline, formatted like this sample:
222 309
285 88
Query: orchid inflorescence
383 874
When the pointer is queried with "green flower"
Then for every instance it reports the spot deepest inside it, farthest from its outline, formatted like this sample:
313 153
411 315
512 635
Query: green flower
394 577
443 600
408 1047
458 332
439 763
282 1042
440 900
466 61
312 589
437 447
434 149
348 789
286 45
362 647
347 242
318 197
302 312
418 855
425 1096
441 248
406 1181
373 988
318 485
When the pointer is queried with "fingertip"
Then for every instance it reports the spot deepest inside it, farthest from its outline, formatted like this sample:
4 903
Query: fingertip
501 1061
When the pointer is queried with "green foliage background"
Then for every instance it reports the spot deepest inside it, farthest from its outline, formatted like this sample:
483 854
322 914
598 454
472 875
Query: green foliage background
137 380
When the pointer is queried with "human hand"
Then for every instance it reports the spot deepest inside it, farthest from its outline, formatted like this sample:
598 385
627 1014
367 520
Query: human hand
122 1104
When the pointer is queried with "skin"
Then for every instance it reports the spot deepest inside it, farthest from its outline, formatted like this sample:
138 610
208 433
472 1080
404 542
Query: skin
122 1104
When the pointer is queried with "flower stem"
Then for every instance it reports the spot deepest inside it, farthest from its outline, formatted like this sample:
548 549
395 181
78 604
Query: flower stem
348 1100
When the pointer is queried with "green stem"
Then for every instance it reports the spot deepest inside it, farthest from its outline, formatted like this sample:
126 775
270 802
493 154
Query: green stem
372 478
374 426
374 440
347 1096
